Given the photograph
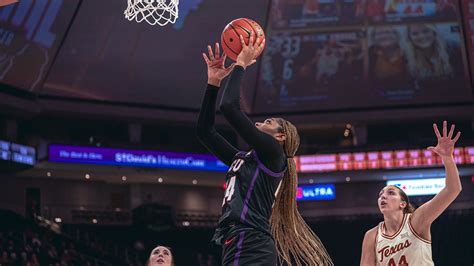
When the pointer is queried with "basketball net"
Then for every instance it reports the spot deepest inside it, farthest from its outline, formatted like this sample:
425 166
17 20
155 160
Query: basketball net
154 12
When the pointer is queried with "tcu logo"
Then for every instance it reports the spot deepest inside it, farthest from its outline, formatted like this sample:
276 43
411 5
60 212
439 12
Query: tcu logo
235 166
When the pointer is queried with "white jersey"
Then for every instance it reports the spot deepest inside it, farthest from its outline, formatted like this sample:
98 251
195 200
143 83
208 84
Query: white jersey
404 248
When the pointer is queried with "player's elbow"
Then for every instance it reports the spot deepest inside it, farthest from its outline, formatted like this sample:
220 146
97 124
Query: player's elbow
453 191
202 138
455 188
226 108
204 134
201 132
458 189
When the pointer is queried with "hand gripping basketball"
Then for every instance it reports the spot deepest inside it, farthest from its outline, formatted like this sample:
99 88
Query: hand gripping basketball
249 52
230 38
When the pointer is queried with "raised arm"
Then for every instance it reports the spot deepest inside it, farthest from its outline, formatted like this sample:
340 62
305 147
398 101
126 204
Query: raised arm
268 149
428 212
206 131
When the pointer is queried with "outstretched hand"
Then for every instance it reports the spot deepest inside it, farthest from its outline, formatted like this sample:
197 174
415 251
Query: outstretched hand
445 146
249 52
216 70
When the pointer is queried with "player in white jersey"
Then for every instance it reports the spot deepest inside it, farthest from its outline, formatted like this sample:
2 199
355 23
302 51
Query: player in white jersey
404 238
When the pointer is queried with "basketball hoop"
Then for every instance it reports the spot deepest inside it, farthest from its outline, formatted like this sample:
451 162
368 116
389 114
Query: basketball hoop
154 12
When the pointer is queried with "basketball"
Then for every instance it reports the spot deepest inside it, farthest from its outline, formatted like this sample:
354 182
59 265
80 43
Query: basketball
230 41
7 2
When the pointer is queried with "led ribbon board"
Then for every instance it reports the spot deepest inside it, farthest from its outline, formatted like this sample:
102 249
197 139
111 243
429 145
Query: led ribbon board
419 187
316 192
135 158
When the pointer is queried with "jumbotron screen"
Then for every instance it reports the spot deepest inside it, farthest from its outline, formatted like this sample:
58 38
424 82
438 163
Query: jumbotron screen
362 53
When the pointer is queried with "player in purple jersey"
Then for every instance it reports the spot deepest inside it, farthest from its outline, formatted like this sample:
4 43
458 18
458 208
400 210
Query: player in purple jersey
260 222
